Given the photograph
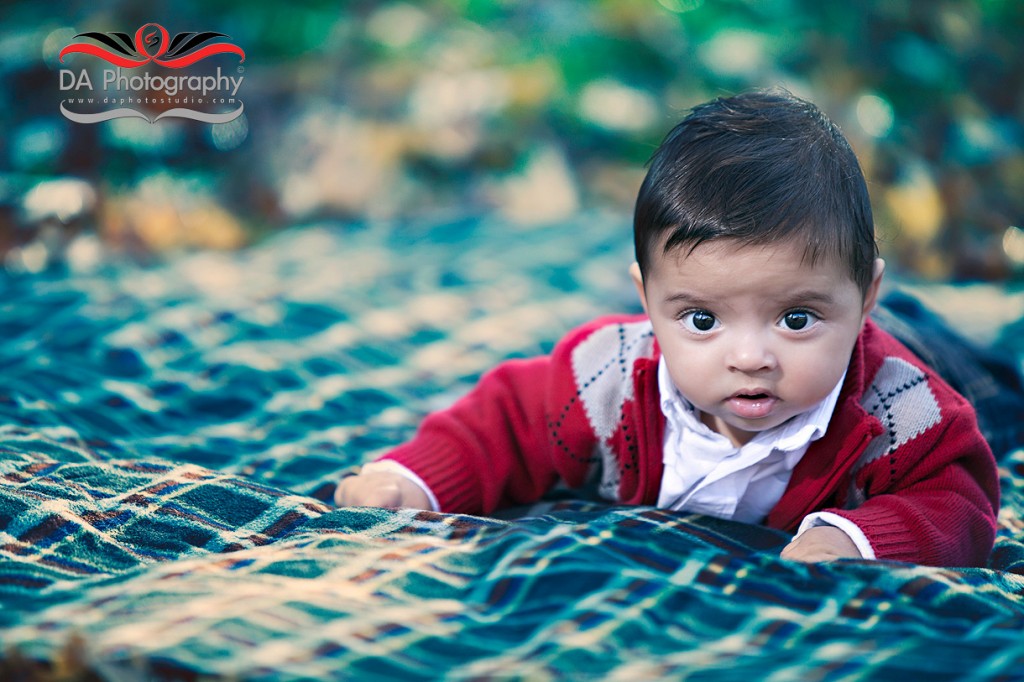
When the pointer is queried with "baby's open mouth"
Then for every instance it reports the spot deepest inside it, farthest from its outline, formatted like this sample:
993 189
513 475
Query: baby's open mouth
752 404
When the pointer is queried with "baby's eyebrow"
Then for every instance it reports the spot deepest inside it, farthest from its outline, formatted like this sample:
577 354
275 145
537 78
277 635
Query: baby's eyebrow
689 299
810 296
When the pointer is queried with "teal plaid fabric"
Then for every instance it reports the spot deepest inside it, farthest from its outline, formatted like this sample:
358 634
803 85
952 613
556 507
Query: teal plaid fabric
170 436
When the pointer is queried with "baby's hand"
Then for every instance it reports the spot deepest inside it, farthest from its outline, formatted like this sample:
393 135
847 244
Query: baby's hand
380 489
821 543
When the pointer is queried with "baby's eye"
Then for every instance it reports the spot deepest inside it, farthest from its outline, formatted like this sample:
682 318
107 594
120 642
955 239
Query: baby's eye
700 321
797 320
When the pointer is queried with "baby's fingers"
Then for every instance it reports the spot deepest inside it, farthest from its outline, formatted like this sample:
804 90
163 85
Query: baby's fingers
364 491
822 543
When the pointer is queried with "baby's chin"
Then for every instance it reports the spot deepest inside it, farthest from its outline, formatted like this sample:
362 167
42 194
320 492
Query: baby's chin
740 431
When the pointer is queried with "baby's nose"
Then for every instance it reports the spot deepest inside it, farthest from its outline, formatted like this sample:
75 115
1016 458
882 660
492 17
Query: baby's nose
751 353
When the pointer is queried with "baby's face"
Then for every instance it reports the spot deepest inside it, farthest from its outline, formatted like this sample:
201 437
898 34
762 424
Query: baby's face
752 335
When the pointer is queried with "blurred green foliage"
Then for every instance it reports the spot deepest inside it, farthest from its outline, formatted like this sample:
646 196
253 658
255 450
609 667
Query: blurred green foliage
534 109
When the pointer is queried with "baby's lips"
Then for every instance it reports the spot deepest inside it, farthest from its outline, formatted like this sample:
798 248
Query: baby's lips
752 408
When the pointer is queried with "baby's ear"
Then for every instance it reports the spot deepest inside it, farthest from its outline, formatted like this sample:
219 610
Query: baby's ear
871 295
638 282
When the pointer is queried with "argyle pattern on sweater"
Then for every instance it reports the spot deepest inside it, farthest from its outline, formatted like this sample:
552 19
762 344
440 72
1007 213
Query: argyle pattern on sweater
603 366
900 398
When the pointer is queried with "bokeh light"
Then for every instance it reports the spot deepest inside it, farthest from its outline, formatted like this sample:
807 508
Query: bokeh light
875 115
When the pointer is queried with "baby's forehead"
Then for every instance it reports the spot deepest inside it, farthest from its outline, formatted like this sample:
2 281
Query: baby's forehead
756 279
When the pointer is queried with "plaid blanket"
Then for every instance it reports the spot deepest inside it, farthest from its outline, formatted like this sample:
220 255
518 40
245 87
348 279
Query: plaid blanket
170 436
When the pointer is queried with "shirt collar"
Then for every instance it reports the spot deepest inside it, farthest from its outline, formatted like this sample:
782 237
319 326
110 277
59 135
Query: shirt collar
790 435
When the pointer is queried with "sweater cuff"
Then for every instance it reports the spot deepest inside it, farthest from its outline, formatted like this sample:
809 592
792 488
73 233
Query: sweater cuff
452 484
889 535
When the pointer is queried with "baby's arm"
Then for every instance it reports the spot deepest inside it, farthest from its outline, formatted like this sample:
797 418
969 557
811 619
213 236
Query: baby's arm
520 430
380 489
938 504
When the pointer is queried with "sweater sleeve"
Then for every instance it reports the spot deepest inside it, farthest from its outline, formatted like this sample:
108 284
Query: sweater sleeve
933 501
494 447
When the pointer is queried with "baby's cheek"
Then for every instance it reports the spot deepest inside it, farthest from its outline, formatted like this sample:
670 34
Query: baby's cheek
821 379
812 379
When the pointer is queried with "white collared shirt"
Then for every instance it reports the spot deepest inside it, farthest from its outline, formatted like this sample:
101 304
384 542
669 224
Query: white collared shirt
705 473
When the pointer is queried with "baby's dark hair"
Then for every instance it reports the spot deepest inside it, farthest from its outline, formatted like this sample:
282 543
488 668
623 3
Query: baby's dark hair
760 168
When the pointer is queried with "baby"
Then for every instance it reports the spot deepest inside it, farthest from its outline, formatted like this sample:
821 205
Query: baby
754 388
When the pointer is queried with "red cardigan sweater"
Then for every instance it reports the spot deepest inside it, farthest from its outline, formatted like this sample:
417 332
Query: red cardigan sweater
902 458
